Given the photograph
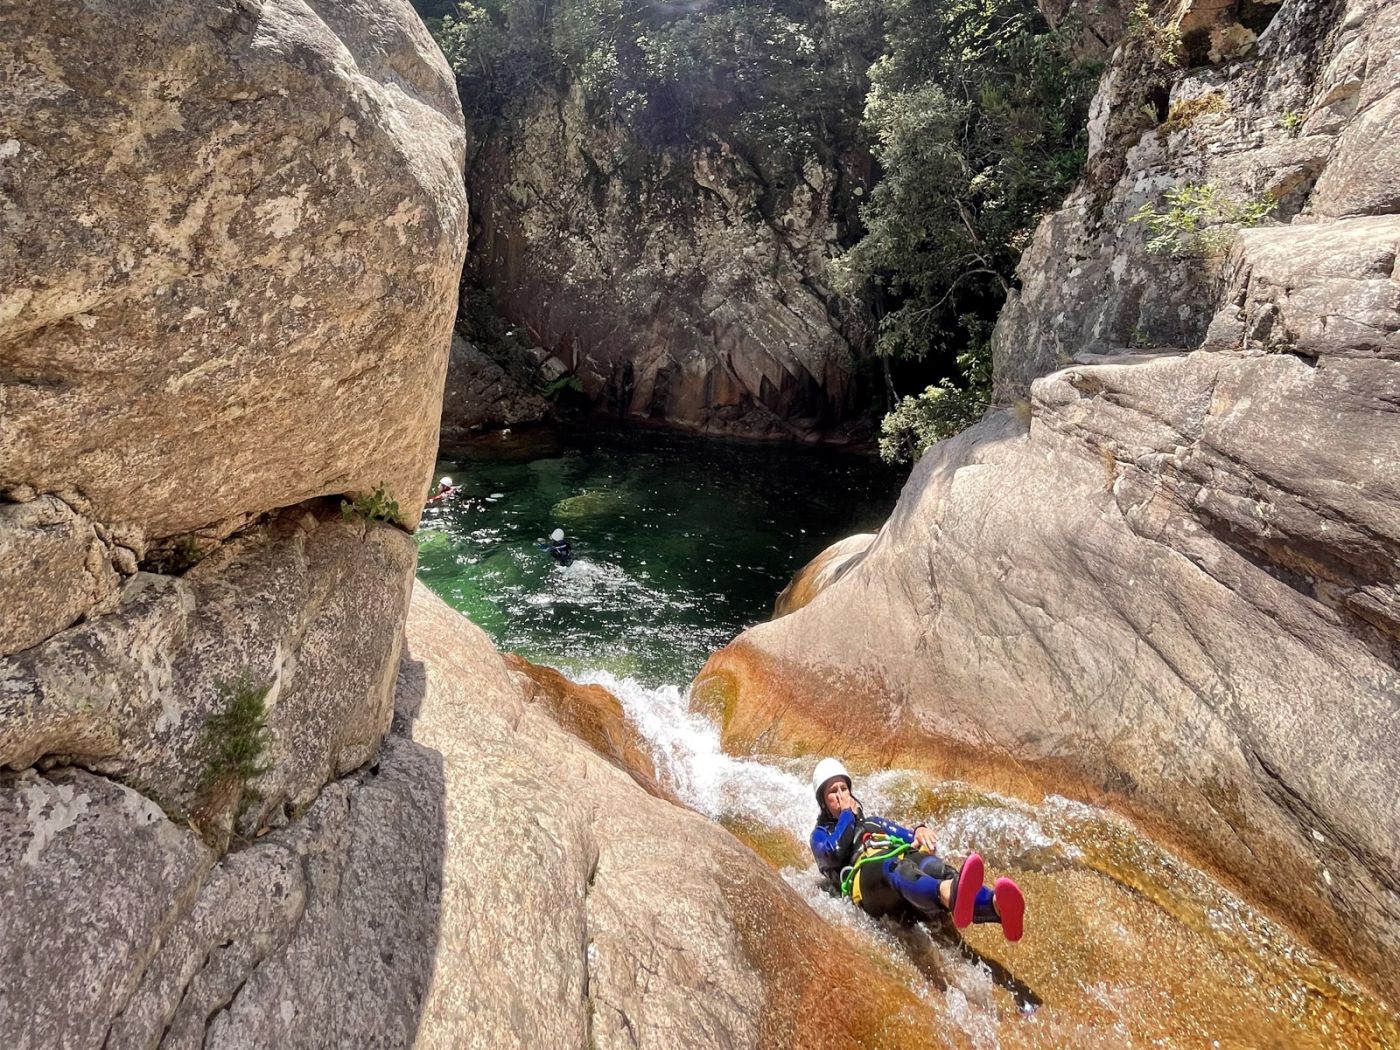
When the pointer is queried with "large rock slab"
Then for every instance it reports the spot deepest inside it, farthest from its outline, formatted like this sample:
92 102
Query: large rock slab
92 876
1325 288
309 607
821 572
232 234
490 880
1178 592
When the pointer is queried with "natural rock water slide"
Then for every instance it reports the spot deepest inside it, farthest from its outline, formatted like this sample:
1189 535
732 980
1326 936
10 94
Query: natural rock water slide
232 234
1126 946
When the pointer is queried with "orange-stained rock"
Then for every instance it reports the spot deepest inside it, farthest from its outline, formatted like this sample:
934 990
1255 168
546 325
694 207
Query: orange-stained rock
1174 595
1126 946
822 571
593 715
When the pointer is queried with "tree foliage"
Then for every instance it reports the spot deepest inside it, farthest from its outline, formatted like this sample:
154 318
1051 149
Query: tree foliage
1200 220
972 109
943 408
977 115
743 67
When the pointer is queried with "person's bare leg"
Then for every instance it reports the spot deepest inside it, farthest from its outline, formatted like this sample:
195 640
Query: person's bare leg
945 893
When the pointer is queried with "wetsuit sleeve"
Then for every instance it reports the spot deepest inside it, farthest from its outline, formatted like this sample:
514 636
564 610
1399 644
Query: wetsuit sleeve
832 847
890 828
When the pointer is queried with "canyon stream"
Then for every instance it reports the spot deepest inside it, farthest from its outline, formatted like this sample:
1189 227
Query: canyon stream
678 545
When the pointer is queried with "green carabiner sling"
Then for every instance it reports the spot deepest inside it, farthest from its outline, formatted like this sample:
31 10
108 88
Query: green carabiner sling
848 880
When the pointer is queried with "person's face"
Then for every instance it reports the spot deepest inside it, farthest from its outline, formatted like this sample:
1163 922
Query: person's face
838 797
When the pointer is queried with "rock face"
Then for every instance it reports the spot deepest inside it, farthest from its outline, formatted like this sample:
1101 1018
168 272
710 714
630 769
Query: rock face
481 395
309 607
54 558
1288 102
231 239
1178 592
489 881
1148 599
685 289
232 234
821 572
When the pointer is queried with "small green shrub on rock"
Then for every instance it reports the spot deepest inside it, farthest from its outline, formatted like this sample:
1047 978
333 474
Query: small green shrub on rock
1186 112
1200 219
235 741
375 506
943 409
1155 39
564 384
236 737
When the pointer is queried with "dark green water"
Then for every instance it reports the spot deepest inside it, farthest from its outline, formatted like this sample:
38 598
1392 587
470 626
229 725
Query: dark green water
679 543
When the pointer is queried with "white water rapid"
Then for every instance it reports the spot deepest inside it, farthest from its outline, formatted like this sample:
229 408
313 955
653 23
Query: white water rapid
1127 945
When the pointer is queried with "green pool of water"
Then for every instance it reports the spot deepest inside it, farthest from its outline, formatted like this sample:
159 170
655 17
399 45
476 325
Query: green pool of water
679 543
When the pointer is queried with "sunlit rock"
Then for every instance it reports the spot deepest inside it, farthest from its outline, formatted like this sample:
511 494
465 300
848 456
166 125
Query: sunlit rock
232 238
821 572
1153 598
306 610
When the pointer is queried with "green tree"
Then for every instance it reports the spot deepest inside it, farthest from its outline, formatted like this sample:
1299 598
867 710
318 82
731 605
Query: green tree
977 115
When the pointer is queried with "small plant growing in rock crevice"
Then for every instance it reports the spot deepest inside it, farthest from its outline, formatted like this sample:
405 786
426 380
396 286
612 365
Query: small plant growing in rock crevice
374 506
1185 112
1200 219
1154 39
235 741
564 384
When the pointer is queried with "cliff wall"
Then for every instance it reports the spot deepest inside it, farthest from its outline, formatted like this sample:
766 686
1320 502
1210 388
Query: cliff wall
230 240
681 274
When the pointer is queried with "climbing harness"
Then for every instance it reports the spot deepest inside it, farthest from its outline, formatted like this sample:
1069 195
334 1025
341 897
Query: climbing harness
874 849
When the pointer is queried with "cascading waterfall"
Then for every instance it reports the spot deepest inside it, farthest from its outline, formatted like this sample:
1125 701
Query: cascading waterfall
677 549
776 794
1057 839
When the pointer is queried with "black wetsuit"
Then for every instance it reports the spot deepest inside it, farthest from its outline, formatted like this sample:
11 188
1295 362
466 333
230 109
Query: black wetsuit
905 887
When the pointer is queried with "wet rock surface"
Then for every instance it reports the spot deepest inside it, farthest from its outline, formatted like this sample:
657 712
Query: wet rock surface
1151 598
488 880
821 572
1178 591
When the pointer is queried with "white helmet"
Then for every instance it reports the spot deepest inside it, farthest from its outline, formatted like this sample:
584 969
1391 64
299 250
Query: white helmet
828 769
557 535
446 481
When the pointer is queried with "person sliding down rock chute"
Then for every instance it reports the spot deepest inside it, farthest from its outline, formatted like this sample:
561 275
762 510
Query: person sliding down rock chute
891 870
558 547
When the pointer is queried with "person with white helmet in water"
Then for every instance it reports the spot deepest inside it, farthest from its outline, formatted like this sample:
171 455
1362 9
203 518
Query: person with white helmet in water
891 870
445 489
558 548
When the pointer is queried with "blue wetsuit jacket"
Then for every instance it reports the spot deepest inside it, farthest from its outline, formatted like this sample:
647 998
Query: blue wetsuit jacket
835 841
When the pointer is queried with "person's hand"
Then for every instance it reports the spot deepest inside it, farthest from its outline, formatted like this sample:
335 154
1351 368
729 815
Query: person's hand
924 839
